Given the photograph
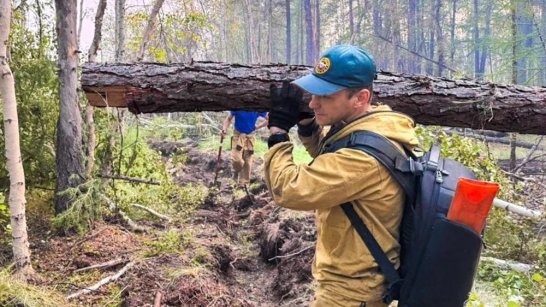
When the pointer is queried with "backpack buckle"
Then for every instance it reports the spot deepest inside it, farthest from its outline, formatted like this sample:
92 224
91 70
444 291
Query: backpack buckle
393 292
352 140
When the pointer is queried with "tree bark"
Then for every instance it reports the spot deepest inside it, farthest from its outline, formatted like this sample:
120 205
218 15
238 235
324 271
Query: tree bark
209 86
69 156
452 32
89 110
288 32
351 21
252 39
119 30
316 32
148 30
14 164
97 36
439 35
309 47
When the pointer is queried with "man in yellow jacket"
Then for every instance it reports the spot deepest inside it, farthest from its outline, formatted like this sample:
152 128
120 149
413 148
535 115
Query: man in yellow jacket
341 88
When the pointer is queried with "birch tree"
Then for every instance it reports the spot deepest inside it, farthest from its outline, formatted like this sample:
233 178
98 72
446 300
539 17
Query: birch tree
16 198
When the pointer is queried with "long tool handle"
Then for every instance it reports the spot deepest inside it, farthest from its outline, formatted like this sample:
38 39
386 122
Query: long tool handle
219 159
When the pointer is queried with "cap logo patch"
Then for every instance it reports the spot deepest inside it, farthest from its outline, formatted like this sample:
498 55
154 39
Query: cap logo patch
322 66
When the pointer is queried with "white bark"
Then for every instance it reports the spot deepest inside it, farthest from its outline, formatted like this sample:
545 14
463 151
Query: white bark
102 282
16 199
499 203
516 266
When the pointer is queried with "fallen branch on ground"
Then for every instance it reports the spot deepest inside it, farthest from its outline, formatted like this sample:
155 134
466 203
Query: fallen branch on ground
152 212
293 254
124 217
516 266
526 179
132 179
529 155
212 122
489 139
106 264
157 301
102 282
516 209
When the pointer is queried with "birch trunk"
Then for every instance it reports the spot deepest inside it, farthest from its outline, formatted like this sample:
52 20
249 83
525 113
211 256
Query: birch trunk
16 198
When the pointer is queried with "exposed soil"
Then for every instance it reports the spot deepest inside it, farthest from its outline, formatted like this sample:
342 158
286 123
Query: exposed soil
237 249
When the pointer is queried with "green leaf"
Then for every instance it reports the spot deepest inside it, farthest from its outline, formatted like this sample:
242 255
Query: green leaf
538 277
512 304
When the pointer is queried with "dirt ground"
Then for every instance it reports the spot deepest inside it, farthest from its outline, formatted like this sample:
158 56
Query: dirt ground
236 249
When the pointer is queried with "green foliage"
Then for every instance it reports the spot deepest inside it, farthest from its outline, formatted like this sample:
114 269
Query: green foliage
137 159
17 293
182 32
518 288
87 207
5 225
469 152
36 86
170 242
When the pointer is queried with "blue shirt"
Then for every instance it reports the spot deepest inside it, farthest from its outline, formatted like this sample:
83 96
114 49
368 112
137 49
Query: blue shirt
245 122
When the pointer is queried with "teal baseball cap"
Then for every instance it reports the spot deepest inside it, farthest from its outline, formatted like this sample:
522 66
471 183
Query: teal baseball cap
339 68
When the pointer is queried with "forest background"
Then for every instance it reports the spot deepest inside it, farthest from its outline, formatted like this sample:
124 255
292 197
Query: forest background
498 41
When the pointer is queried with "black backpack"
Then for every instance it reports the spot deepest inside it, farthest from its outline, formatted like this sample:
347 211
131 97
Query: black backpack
438 257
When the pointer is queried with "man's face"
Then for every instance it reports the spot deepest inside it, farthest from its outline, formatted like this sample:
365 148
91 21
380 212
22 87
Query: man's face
333 108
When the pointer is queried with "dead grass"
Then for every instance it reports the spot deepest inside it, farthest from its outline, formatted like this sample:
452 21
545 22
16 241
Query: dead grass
16 293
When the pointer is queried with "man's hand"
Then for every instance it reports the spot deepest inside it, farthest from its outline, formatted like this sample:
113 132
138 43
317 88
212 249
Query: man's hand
285 106
223 133
305 116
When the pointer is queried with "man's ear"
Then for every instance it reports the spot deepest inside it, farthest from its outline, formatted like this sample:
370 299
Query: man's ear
363 97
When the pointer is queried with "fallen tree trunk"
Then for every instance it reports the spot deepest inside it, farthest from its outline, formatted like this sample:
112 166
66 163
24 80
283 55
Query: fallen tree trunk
209 86
489 139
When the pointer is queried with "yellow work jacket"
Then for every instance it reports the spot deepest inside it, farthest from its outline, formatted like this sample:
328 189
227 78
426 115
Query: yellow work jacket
343 265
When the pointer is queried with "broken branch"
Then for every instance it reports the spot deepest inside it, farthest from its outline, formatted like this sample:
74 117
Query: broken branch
102 282
103 265
516 266
152 212
132 179
291 255
516 209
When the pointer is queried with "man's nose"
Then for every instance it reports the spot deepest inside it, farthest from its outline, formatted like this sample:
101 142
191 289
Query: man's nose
313 104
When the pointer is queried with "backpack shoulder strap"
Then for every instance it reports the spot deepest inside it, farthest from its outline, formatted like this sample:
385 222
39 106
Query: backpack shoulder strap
402 168
392 275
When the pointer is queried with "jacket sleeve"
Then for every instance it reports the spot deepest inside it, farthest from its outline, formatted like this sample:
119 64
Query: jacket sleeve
331 179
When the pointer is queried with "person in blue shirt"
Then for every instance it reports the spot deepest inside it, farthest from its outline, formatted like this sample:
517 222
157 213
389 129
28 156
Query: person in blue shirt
242 141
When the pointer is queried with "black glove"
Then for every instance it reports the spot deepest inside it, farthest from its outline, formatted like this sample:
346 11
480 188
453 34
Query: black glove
285 105
305 115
